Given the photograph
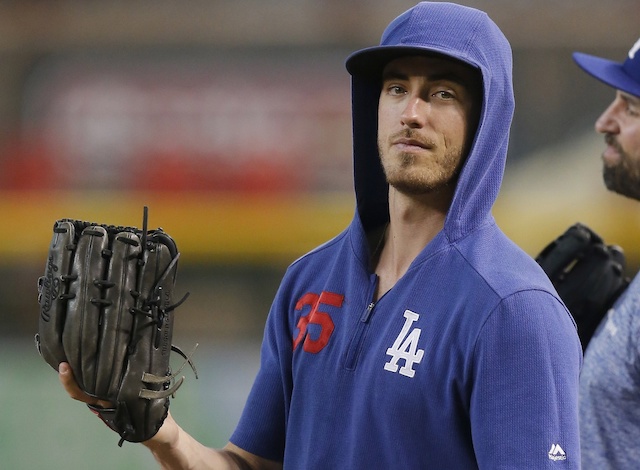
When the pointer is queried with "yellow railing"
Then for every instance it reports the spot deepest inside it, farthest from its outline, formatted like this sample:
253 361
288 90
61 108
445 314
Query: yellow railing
211 227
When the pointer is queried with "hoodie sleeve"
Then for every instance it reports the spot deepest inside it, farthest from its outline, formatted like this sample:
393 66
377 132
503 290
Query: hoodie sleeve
524 406
262 426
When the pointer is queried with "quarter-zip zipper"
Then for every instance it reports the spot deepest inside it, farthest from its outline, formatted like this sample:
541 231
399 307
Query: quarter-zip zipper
353 353
367 313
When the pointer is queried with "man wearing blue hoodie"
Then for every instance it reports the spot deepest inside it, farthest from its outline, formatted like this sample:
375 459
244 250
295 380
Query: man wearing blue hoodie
420 337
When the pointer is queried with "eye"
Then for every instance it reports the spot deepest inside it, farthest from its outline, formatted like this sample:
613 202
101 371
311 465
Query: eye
631 105
444 95
396 90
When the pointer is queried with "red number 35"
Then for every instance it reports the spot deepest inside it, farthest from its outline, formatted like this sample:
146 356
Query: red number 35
316 317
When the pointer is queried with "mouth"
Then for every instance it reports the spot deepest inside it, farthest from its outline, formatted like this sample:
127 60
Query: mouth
612 154
408 144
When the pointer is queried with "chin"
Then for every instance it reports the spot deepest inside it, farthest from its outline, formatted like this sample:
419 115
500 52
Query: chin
417 188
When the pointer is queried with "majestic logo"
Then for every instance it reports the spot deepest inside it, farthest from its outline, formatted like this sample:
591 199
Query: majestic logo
634 49
556 453
316 317
405 347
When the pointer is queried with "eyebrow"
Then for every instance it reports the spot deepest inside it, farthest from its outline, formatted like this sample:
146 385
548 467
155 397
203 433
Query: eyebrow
630 99
393 74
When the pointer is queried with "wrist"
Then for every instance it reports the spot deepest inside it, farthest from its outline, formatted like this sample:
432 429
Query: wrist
166 438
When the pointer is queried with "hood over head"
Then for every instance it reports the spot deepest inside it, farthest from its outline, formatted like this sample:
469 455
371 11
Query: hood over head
461 33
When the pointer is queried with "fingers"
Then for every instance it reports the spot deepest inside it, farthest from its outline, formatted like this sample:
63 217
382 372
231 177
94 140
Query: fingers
65 374
69 383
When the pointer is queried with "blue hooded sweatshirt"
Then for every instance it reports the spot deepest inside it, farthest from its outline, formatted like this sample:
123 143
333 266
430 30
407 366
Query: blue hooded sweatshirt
470 360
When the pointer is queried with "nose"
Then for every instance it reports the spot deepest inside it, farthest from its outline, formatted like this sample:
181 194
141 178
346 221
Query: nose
414 113
607 123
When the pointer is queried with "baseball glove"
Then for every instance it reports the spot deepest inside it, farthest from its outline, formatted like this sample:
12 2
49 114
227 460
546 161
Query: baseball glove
106 308
587 273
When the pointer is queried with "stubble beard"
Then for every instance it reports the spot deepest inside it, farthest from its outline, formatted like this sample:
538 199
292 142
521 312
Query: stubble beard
408 175
624 177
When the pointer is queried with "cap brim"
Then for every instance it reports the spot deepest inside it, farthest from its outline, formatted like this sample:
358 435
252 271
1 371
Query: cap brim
607 71
369 62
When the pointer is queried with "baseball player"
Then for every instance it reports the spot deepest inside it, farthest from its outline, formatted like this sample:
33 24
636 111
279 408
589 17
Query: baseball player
420 337
609 385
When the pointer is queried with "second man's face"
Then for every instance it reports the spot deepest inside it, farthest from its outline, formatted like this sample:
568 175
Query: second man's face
620 123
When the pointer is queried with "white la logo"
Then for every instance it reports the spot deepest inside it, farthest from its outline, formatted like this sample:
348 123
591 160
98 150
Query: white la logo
406 347
634 49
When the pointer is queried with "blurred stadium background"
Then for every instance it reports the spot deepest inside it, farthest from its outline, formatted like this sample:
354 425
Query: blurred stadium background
231 121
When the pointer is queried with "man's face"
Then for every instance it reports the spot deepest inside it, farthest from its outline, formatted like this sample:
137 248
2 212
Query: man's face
427 117
620 123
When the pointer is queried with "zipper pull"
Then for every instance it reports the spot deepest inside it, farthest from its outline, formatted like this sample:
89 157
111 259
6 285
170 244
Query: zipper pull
367 313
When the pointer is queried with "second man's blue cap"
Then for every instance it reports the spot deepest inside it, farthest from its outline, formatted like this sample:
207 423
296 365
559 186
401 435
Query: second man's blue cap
623 76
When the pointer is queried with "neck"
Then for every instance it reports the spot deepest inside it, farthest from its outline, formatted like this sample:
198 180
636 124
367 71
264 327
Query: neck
414 222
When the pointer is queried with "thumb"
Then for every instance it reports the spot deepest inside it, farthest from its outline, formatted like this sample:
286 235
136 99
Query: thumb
65 374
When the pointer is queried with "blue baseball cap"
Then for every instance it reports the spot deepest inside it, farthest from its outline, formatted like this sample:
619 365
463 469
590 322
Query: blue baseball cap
623 76
418 32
